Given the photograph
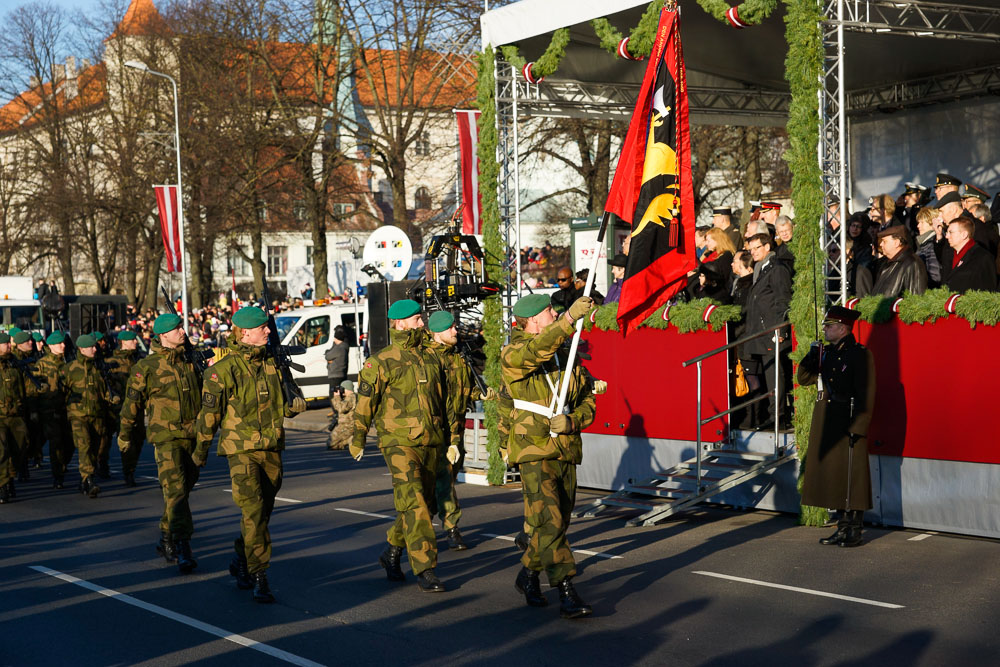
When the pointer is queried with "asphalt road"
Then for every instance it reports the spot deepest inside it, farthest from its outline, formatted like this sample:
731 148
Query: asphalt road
81 584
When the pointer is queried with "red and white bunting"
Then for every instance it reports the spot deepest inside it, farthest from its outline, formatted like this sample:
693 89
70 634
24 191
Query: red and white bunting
949 305
706 315
166 202
623 51
468 144
733 16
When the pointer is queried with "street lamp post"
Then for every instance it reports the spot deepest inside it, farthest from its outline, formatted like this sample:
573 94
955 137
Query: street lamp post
142 67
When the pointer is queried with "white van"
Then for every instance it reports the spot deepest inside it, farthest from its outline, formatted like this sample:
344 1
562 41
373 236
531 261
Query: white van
312 328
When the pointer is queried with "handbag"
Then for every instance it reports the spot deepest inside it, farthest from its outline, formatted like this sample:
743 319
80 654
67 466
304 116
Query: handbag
741 388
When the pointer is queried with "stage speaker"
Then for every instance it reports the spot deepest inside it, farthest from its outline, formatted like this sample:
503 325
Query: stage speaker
378 316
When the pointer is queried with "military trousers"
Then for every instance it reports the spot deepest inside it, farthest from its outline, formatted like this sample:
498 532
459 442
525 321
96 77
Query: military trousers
177 474
256 479
549 489
13 439
444 491
87 433
130 457
55 429
35 442
103 455
413 478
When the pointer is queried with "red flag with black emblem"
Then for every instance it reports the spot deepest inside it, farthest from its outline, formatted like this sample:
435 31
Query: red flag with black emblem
652 188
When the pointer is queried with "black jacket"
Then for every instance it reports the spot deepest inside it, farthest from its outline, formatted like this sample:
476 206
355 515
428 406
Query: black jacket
976 271
336 361
903 273
767 305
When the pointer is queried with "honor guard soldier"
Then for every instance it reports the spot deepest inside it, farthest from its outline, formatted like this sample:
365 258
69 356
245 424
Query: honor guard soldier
88 400
546 446
837 474
458 393
166 388
52 407
243 398
13 431
124 358
400 388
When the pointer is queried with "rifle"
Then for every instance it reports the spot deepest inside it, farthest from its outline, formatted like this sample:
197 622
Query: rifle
197 357
282 356
24 365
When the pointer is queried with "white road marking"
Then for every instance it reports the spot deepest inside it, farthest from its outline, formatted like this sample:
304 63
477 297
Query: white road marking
377 516
157 479
796 589
287 500
586 552
181 618
921 536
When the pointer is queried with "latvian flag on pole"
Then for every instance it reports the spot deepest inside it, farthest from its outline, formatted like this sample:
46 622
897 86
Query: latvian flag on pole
166 201
468 145
652 187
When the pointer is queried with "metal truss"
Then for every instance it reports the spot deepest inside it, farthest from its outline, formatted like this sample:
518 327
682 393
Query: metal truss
833 153
918 18
509 91
949 87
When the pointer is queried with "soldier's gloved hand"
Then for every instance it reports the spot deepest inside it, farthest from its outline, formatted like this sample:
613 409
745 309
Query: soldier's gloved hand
600 386
115 400
580 308
299 405
505 454
453 454
356 452
491 394
562 425
123 445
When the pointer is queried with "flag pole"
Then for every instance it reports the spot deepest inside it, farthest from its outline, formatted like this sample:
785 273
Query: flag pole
592 274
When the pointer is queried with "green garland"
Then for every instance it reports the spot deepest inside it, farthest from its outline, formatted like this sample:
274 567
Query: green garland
974 307
751 12
685 317
924 308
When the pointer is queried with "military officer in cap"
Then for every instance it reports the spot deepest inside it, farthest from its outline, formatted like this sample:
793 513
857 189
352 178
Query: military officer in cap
166 388
124 358
945 183
13 431
458 392
836 462
401 389
545 445
243 398
88 399
973 196
52 407
914 198
722 218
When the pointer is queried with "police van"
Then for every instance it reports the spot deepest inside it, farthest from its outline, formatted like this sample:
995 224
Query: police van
312 328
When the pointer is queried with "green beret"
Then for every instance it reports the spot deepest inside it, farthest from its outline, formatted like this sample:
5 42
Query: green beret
22 337
13 331
126 335
37 337
531 305
347 385
403 308
55 338
440 321
249 317
4 337
98 336
166 322
86 340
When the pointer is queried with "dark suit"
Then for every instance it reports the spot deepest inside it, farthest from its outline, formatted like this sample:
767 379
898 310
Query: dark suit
975 271
767 306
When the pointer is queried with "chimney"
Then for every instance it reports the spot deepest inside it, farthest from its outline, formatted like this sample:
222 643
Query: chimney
70 67
58 73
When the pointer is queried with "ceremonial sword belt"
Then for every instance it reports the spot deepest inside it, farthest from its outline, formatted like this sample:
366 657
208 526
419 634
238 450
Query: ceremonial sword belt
548 411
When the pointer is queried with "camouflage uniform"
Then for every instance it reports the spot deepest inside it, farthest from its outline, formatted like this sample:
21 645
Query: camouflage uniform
121 376
87 401
13 431
36 439
243 399
547 464
165 388
344 406
458 393
400 389
52 414
114 378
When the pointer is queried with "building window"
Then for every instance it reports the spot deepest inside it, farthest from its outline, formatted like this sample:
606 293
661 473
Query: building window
261 211
277 260
422 198
300 211
236 263
309 255
422 146
343 209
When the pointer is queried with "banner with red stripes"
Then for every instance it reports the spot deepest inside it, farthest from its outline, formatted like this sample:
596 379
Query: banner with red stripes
166 202
468 144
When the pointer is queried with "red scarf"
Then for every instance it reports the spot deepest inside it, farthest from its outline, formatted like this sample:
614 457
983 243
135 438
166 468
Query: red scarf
707 257
957 259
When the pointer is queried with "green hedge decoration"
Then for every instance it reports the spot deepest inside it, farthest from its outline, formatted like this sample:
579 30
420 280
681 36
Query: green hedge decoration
924 308
685 317
751 12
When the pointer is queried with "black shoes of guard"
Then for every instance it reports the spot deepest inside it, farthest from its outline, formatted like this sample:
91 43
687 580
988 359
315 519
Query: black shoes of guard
528 584
390 561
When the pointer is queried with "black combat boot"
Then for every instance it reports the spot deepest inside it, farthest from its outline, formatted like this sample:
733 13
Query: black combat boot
852 538
4 495
92 488
261 591
527 584
57 483
522 541
238 568
390 561
165 547
570 604
185 561
455 541
129 478
429 583
838 536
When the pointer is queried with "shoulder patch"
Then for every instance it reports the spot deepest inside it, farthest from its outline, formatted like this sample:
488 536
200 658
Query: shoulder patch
208 399
365 389
138 375
215 376
368 364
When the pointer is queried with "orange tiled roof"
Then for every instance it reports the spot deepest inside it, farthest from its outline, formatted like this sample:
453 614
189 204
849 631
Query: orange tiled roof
141 18
28 108
458 91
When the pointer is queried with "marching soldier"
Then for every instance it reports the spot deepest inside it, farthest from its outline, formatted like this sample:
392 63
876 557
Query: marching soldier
166 387
458 393
124 358
837 474
400 389
342 404
31 453
52 407
88 399
546 446
13 431
243 398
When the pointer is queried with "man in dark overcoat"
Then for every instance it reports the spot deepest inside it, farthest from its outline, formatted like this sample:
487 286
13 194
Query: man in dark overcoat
836 463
